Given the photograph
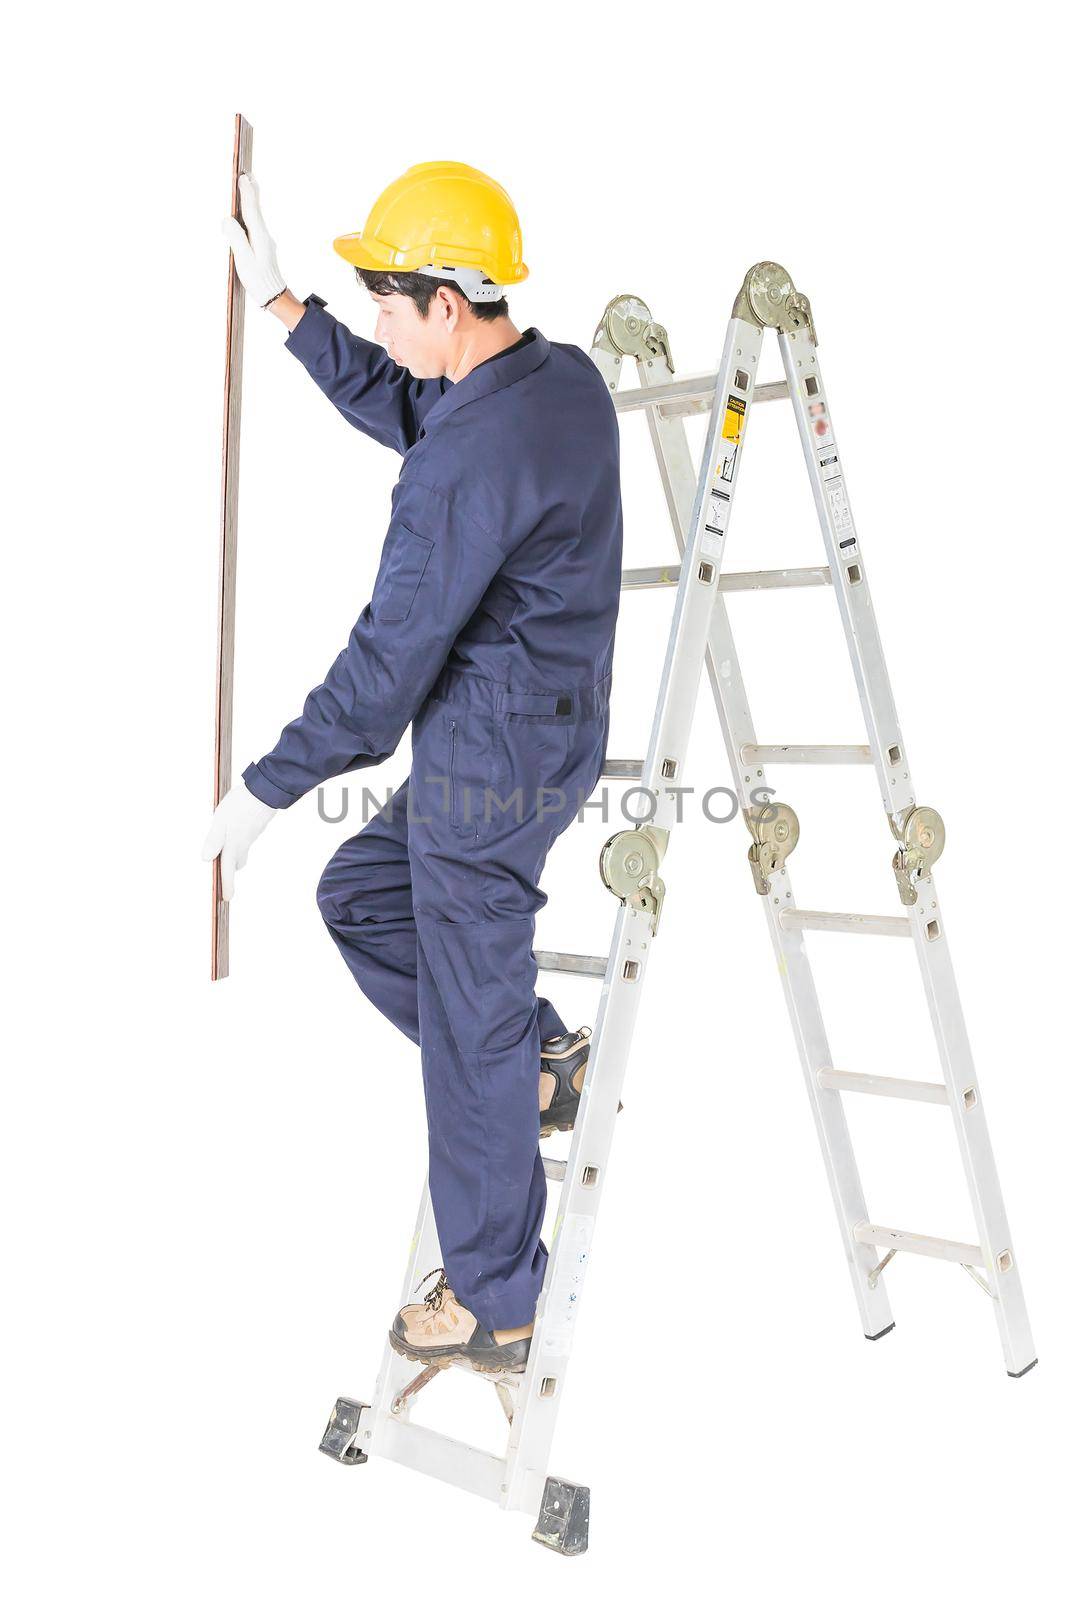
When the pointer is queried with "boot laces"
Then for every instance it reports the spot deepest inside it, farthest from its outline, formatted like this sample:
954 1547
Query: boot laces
433 1297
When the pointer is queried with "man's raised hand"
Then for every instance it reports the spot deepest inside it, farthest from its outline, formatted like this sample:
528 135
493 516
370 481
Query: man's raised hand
253 246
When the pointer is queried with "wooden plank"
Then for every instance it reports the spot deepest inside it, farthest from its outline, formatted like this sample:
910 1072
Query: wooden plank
228 550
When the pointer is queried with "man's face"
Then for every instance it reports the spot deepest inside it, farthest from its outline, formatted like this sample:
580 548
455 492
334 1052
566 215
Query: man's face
419 343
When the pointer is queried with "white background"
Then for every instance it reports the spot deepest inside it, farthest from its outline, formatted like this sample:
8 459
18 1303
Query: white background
209 1191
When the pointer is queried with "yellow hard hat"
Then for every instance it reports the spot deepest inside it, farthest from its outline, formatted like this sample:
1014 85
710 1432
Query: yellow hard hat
442 215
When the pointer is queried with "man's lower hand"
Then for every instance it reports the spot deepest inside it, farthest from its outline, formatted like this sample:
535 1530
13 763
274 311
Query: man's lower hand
238 820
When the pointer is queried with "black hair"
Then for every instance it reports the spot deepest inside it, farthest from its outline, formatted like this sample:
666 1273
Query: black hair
421 290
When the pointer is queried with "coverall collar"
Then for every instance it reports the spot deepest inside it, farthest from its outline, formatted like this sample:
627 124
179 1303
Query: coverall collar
509 367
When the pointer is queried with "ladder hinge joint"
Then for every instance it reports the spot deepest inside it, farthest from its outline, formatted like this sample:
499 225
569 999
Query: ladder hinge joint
630 867
775 828
921 837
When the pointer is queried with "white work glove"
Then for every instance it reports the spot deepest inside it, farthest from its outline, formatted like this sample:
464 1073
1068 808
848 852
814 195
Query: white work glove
254 248
237 821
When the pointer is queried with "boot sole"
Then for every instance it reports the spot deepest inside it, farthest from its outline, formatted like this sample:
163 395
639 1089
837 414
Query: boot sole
454 1356
563 1127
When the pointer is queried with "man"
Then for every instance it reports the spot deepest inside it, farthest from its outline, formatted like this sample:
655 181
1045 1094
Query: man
490 631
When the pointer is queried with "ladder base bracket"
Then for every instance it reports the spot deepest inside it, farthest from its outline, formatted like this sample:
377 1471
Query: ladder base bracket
564 1517
348 1420
872 1337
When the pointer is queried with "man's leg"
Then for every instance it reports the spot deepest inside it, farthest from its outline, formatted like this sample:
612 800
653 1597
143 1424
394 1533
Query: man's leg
475 870
365 898
481 1077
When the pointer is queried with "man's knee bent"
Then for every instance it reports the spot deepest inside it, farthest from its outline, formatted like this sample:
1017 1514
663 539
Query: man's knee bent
335 895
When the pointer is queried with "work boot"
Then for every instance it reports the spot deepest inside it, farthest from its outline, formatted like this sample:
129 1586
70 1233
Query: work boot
563 1061
440 1332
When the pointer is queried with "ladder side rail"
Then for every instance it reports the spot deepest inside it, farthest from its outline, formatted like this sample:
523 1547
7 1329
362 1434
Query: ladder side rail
536 1411
848 571
971 1129
542 1385
849 575
672 450
710 509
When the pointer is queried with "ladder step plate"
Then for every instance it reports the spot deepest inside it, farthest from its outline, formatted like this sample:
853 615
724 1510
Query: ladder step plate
623 769
918 1244
580 966
895 1088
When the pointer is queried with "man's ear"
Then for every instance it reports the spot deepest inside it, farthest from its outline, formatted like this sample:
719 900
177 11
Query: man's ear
450 306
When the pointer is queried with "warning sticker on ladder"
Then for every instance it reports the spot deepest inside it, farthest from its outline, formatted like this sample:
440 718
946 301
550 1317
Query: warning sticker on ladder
839 505
820 422
735 414
726 465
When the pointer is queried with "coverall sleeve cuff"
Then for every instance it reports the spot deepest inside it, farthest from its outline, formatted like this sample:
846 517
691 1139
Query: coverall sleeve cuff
309 336
265 789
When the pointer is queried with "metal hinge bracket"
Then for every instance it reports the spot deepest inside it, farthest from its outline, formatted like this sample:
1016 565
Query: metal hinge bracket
630 867
921 837
775 829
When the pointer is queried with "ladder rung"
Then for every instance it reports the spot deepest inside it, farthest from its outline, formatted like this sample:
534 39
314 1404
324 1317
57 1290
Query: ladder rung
582 966
918 1244
623 769
555 1170
776 578
731 582
845 922
895 1088
650 577
694 394
813 755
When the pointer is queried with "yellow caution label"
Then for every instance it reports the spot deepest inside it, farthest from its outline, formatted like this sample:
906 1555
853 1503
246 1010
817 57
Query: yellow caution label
735 412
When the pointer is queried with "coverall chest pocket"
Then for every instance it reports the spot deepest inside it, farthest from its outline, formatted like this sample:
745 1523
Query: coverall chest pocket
402 567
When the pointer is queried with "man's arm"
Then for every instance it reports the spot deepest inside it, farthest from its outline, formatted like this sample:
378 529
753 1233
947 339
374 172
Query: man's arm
364 384
436 566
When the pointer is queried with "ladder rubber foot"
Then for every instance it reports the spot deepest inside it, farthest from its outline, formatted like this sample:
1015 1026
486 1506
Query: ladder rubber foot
872 1337
1028 1368
341 1431
564 1517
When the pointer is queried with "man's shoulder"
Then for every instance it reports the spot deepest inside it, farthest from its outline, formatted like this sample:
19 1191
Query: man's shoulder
572 361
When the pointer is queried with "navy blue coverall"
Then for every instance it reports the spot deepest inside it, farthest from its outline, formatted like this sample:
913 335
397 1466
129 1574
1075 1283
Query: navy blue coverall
491 631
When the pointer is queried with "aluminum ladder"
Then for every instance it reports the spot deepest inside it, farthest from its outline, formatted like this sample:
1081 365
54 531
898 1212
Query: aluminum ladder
630 866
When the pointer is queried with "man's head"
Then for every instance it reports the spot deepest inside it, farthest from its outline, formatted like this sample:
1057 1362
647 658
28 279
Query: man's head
440 222
421 321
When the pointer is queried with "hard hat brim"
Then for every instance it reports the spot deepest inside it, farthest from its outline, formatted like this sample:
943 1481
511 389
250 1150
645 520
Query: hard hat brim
362 251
